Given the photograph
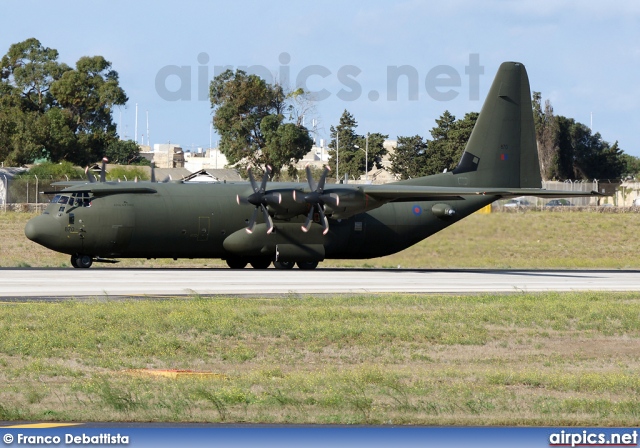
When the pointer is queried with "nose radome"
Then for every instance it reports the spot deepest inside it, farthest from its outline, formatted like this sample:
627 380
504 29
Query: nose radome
41 230
31 230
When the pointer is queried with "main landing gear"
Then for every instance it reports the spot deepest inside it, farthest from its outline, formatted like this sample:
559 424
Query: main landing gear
264 263
81 261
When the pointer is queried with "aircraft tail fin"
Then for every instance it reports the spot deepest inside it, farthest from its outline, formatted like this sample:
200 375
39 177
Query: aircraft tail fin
502 150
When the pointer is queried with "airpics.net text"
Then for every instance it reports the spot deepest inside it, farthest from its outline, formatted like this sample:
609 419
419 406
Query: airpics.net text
441 82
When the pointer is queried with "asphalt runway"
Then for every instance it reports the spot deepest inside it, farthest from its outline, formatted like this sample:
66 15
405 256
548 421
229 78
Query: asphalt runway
109 282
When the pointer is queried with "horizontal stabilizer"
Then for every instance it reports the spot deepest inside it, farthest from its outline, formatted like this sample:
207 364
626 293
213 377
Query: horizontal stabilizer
399 193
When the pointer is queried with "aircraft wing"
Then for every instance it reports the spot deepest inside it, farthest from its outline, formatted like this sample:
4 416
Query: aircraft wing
105 189
401 193
69 183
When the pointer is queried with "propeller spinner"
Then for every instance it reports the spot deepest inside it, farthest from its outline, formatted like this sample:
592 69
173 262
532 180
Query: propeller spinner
260 198
317 198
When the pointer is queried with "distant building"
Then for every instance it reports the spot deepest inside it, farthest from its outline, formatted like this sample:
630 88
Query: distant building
168 155
319 156
207 159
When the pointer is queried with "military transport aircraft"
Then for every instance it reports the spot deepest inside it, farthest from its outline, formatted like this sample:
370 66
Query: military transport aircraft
293 223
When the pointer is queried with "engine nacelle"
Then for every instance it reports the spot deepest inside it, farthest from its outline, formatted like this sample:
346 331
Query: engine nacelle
351 203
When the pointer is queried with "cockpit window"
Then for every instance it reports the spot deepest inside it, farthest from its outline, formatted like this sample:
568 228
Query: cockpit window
80 199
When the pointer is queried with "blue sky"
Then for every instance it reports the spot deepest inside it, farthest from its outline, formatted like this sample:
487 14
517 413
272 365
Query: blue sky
584 56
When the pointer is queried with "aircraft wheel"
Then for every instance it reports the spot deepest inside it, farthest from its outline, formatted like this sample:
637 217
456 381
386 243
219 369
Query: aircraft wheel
260 263
307 265
284 264
236 263
81 261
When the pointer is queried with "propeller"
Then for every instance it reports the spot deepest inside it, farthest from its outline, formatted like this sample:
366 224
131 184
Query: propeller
260 198
103 170
153 175
91 178
317 198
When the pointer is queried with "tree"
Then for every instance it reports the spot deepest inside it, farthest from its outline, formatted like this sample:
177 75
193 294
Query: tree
631 165
410 157
57 171
31 69
567 149
352 149
546 128
48 110
88 95
450 138
124 152
249 115
584 156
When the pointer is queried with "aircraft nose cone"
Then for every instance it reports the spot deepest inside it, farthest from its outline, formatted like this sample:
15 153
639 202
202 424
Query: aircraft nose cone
41 230
31 230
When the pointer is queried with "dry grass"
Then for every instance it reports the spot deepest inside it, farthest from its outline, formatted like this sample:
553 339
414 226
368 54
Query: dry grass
535 240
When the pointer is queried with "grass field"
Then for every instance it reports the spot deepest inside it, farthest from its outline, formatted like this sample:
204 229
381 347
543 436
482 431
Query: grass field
517 359
536 240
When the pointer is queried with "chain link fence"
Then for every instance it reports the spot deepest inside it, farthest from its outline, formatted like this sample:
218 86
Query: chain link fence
26 190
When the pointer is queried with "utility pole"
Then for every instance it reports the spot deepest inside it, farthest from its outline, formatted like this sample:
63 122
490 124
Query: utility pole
136 127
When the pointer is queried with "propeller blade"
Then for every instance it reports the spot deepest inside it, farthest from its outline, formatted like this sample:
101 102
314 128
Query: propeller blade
298 196
307 223
254 185
312 182
323 178
252 222
260 199
273 198
324 220
90 177
265 178
317 199
332 199
267 219
241 200
103 171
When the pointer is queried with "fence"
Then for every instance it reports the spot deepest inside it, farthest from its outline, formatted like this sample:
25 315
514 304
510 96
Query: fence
578 185
26 191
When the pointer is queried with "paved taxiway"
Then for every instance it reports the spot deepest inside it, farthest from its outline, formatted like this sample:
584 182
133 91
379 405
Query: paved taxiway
96 282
